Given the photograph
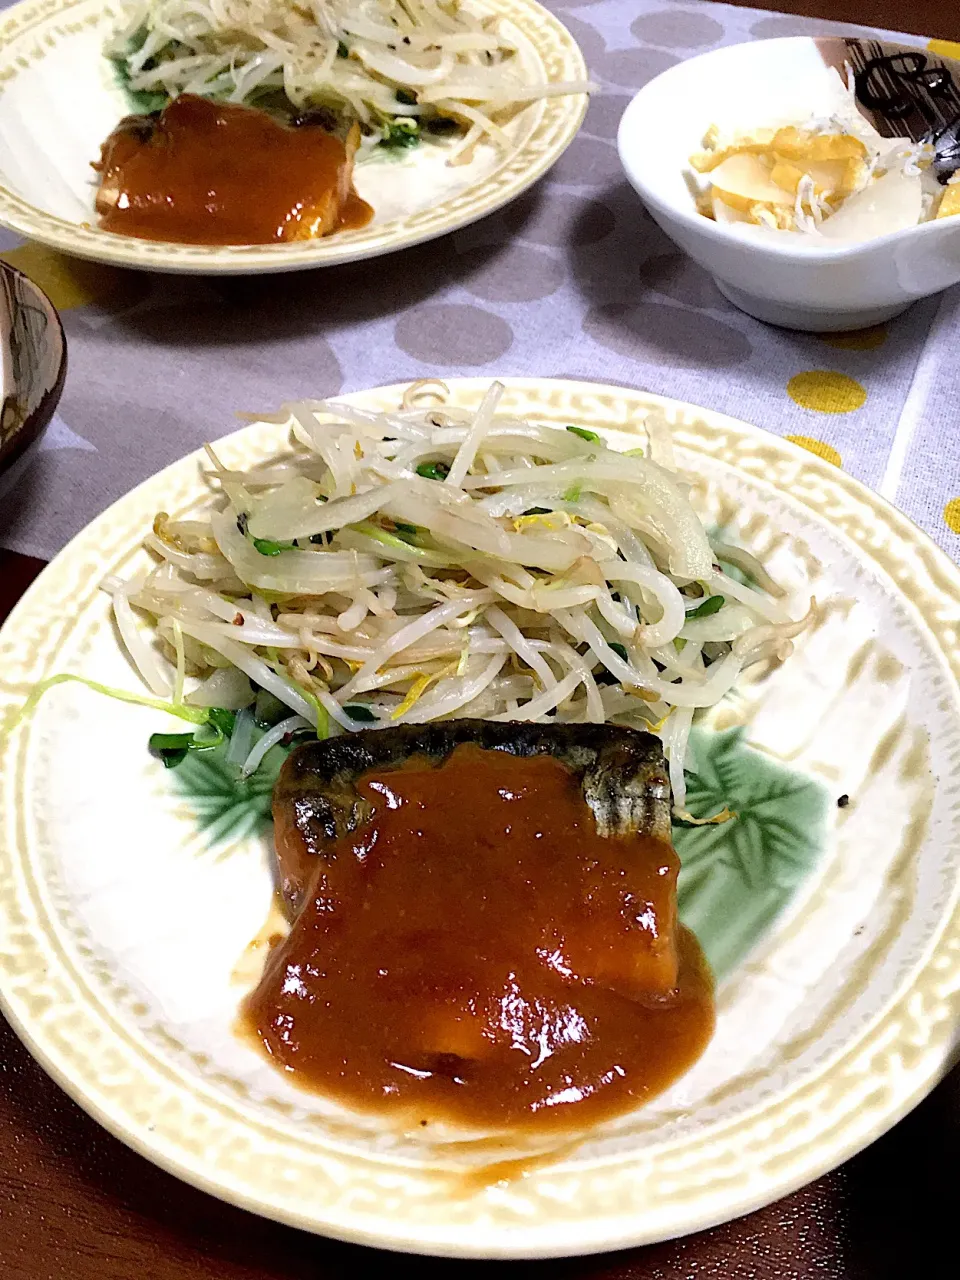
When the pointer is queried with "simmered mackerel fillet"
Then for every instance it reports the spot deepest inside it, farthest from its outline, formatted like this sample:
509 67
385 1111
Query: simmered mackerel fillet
203 172
484 925
315 801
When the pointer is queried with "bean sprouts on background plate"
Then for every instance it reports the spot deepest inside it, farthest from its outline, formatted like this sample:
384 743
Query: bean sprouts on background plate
403 69
403 567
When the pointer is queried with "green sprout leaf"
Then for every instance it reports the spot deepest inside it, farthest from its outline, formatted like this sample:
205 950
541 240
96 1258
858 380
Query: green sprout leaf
363 715
267 547
406 532
712 604
402 131
173 748
433 470
223 720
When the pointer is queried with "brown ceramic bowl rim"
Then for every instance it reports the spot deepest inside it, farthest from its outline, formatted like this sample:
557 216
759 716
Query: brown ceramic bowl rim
36 422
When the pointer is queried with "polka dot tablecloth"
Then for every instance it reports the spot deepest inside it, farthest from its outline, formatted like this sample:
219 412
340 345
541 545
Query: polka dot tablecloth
571 280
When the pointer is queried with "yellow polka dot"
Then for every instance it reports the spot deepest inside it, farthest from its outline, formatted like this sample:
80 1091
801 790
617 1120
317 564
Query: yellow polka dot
858 339
826 391
945 48
951 515
822 450
73 282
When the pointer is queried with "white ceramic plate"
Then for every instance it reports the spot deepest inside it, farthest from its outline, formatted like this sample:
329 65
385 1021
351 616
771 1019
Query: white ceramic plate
59 100
128 894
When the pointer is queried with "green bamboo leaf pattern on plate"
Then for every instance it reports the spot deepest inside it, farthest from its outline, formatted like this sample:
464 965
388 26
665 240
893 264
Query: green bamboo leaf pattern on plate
738 876
228 808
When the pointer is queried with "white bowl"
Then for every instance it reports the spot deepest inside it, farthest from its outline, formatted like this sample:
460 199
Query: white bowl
778 278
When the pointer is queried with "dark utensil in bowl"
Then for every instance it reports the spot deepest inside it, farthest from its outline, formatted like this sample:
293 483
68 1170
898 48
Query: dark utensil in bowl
33 363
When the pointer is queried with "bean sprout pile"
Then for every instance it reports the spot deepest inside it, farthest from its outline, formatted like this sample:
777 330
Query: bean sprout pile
398 67
402 567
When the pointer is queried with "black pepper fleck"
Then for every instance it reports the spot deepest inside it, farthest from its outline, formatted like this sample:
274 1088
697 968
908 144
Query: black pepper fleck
843 801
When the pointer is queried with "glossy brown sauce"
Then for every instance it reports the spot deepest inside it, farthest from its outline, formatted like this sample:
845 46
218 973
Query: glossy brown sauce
208 172
476 952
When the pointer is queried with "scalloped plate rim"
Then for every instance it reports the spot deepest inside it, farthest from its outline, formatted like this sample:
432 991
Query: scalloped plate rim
596 1236
167 257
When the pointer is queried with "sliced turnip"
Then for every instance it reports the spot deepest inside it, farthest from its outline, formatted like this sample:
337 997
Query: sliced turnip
743 180
891 203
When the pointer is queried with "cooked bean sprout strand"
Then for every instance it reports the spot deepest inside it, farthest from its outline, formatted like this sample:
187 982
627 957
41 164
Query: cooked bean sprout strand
434 561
